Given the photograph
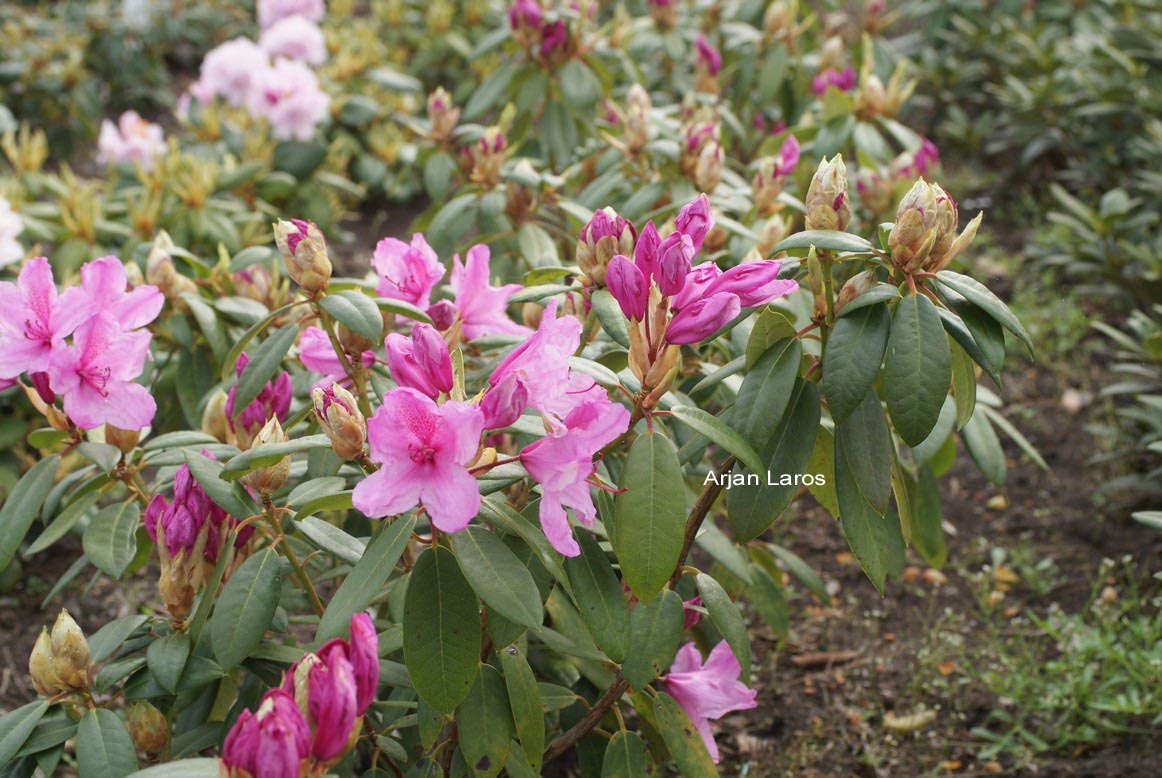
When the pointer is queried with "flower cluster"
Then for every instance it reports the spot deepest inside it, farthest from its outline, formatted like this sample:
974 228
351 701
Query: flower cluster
94 373
309 722
772 173
131 141
843 80
272 402
544 36
670 303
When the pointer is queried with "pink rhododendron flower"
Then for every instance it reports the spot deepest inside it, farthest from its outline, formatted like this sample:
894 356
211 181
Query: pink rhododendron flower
272 11
288 96
754 283
707 691
843 80
542 364
33 322
11 225
295 37
562 465
697 282
423 450
702 318
231 70
104 289
131 140
95 376
270 742
420 361
696 219
481 305
708 56
191 513
504 402
273 400
318 355
407 272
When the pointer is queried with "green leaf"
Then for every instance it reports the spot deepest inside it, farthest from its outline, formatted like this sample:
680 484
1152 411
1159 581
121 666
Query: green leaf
767 597
104 748
263 364
958 329
752 507
537 247
599 596
649 515
725 617
110 540
299 158
400 308
498 513
928 531
232 498
963 385
852 358
830 240
488 93
441 630
682 740
627 756
246 608
862 486
104 456
716 430
167 659
880 293
331 539
655 631
366 579
766 391
242 342
23 504
612 320
16 726
524 697
206 767
485 723
109 638
983 445
65 521
496 574
918 368
358 311
822 465
268 454
801 572
769 328
979 295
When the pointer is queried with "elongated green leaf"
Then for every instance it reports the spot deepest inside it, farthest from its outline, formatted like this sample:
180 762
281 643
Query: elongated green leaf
400 308
682 740
627 756
110 540
331 539
525 700
755 502
16 727
712 427
766 595
498 576
600 597
495 511
852 358
978 294
264 363
356 310
770 327
485 723
988 335
109 638
167 659
725 616
23 504
207 767
244 341
268 454
766 391
801 572
246 608
365 581
441 630
232 498
655 631
650 515
65 521
928 532
880 293
863 484
612 320
983 445
963 385
831 240
104 748
918 368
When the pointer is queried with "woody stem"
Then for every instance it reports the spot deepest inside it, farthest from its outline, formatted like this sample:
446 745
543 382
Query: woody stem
354 372
292 557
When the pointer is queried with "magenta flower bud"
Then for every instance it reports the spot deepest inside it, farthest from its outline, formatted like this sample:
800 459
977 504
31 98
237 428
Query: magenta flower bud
41 384
603 237
421 361
755 283
271 742
674 257
505 402
700 278
690 617
332 705
241 745
702 319
696 219
788 155
708 56
554 35
645 253
629 286
272 401
363 651
442 314
524 13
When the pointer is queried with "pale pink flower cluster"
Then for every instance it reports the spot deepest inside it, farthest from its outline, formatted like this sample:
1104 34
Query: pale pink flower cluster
85 345
296 38
132 140
271 12
11 225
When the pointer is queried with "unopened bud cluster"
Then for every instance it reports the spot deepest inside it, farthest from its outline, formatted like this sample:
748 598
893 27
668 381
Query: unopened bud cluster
924 236
59 662
305 250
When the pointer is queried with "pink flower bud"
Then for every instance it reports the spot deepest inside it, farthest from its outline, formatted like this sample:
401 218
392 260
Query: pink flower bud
674 257
708 56
273 400
363 651
696 219
332 705
697 283
340 417
690 617
271 742
442 314
604 236
41 384
524 13
645 253
702 319
421 362
305 251
505 402
629 286
755 283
